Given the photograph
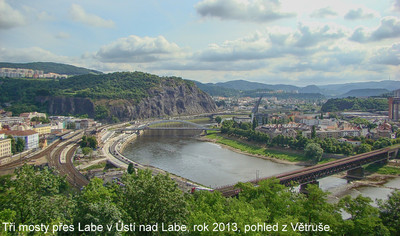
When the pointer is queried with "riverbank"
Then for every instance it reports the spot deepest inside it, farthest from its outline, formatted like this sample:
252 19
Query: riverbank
242 147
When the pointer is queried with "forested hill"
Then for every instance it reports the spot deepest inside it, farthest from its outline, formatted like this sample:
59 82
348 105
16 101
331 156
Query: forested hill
355 104
124 95
48 67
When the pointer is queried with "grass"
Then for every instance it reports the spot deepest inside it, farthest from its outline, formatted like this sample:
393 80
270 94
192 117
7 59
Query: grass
96 166
256 150
383 169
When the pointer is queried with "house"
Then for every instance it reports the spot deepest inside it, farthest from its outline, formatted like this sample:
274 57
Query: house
30 137
42 129
5 147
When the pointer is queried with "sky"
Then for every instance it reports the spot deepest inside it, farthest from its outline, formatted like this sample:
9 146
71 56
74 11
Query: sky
297 42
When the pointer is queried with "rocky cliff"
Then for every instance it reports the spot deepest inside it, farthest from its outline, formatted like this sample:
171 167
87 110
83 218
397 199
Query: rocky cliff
166 100
62 105
170 98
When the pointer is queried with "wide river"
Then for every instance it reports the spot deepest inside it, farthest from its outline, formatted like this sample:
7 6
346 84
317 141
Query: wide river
203 162
211 165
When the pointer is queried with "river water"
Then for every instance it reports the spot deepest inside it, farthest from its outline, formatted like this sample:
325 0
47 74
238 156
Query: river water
181 153
203 162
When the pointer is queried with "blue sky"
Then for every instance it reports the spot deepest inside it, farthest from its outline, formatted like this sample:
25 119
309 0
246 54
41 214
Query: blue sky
297 42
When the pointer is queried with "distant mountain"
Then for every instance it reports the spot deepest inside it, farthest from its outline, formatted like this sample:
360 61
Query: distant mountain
51 67
311 89
331 90
338 89
244 85
359 93
215 90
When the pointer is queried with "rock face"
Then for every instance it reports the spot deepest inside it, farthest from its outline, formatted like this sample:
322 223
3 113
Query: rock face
169 99
68 105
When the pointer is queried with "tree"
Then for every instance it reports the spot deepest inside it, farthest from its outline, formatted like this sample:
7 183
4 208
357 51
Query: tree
364 218
313 132
151 199
389 212
38 196
96 204
13 146
131 169
20 145
314 151
86 151
218 119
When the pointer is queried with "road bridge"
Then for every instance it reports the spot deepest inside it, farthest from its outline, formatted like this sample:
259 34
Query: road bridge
353 166
169 125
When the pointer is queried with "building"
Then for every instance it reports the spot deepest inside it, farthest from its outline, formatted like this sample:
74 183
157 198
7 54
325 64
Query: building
394 103
5 147
30 137
30 115
42 129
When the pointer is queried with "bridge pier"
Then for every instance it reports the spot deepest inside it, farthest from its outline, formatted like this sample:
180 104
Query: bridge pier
355 174
303 187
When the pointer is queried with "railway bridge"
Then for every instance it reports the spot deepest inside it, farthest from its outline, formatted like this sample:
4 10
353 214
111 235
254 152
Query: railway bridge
310 175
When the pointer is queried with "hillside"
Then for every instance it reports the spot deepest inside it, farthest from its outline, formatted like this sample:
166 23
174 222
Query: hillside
51 67
355 104
122 95
364 93
332 90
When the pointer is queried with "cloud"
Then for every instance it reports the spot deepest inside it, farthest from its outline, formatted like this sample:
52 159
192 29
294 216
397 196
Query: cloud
273 43
62 35
324 13
388 28
242 10
359 14
29 55
78 14
137 49
9 17
396 5
388 55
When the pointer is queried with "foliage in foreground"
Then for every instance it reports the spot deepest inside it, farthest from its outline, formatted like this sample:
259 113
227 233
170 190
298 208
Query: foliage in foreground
42 197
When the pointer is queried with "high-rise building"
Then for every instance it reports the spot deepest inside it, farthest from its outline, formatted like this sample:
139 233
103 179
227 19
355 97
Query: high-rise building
394 106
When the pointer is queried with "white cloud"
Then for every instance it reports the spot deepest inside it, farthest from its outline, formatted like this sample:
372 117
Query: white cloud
396 5
80 15
62 35
360 14
273 43
388 55
324 13
9 17
388 28
31 54
246 10
137 49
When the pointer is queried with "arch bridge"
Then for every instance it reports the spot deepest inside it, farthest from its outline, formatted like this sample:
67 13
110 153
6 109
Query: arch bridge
171 125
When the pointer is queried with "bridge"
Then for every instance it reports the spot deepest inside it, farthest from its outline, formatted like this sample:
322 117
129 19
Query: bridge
310 175
170 125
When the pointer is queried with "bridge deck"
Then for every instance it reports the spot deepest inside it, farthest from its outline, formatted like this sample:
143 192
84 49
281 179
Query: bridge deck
312 173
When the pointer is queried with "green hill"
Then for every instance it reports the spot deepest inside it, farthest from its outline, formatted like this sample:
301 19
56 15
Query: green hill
50 67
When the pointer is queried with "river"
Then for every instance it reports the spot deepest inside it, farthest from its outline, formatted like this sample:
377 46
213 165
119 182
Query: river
203 162
210 164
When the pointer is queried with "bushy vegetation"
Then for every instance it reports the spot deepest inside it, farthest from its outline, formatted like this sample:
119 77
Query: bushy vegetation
42 197
328 145
355 104
22 93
